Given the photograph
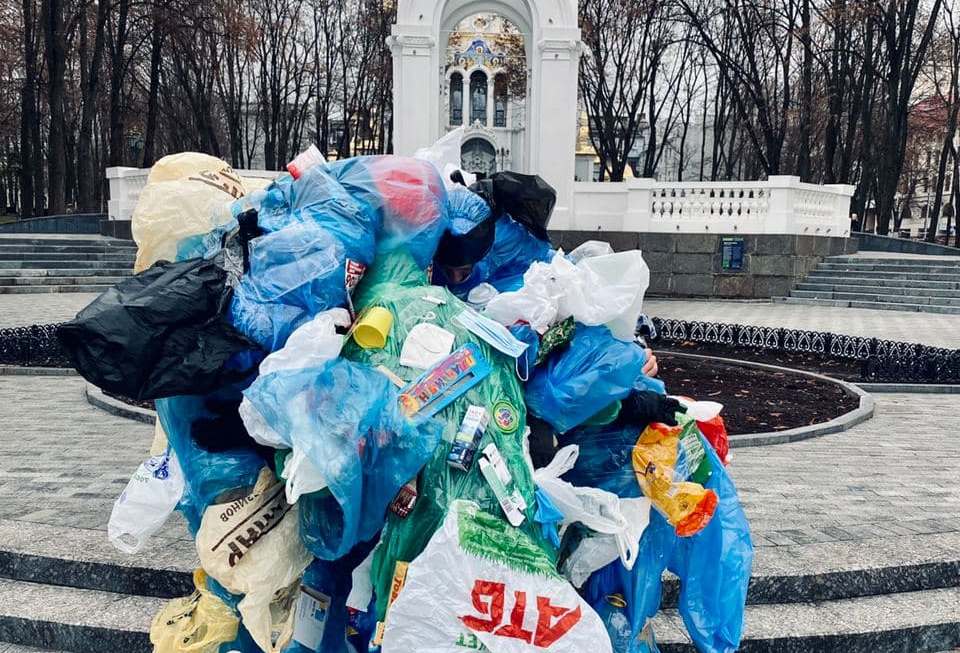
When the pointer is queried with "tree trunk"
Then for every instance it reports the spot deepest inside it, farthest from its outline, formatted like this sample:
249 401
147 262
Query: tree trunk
806 94
52 11
156 51
88 173
117 73
28 117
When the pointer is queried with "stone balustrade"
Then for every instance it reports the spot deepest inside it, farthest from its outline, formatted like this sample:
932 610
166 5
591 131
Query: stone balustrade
779 205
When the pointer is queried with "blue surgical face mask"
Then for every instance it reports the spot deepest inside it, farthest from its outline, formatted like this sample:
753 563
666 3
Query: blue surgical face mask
493 333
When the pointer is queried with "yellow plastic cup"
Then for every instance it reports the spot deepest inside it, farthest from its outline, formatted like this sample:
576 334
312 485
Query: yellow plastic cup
373 328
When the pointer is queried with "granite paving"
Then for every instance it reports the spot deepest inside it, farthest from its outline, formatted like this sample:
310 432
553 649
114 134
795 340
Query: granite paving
45 308
927 328
889 483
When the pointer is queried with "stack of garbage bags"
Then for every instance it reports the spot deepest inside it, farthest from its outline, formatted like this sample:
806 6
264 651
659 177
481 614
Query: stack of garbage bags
396 419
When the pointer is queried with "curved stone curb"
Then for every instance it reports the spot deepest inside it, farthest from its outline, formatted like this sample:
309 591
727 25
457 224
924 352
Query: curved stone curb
911 388
836 425
95 397
17 370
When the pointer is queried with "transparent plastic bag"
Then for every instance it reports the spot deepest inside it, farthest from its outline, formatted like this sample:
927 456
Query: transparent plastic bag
146 503
406 195
445 156
297 265
589 249
199 623
594 370
346 420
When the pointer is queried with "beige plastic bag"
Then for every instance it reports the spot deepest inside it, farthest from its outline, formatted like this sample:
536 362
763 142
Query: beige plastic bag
252 547
186 194
198 623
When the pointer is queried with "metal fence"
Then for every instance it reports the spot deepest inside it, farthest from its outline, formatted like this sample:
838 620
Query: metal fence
884 361
32 346
878 360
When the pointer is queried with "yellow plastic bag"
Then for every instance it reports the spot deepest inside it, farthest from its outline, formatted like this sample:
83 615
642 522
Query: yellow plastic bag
186 194
687 506
198 623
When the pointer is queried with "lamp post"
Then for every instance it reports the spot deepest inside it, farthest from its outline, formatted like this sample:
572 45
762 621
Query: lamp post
504 153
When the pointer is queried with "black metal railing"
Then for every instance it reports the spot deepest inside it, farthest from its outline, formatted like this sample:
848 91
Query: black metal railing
885 361
32 346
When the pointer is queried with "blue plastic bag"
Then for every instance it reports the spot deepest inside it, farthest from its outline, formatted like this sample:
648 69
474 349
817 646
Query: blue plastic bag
206 475
333 581
606 458
406 195
514 249
318 243
345 418
269 324
467 209
714 569
625 600
595 370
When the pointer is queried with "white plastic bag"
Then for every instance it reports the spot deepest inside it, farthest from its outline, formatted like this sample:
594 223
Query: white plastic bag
589 249
599 550
606 289
146 503
597 509
445 156
252 546
465 589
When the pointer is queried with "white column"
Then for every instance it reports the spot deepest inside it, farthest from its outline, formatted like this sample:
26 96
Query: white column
491 106
553 116
415 108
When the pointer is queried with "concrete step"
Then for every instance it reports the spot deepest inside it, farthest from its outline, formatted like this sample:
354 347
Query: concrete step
71 265
866 257
887 267
887 306
31 256
915 622
65 272
910 276
69 619
62 239
879 290
66 249
893 282
31 290
59 281
876 297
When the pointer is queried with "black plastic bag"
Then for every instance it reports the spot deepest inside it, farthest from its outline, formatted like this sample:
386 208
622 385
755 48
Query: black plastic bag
528 199
161 333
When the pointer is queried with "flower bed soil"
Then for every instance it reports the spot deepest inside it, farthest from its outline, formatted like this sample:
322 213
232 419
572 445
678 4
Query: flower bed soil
755 400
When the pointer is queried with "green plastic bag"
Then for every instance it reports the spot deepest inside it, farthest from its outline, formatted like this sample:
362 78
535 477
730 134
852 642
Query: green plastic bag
500 393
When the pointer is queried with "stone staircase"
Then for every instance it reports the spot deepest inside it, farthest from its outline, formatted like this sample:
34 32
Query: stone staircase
904 283
65 589
59 263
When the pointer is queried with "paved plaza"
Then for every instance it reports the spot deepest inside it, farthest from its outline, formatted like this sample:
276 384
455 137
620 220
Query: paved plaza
888 483
928 328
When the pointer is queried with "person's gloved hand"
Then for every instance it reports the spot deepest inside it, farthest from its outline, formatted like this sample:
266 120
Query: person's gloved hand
642 407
